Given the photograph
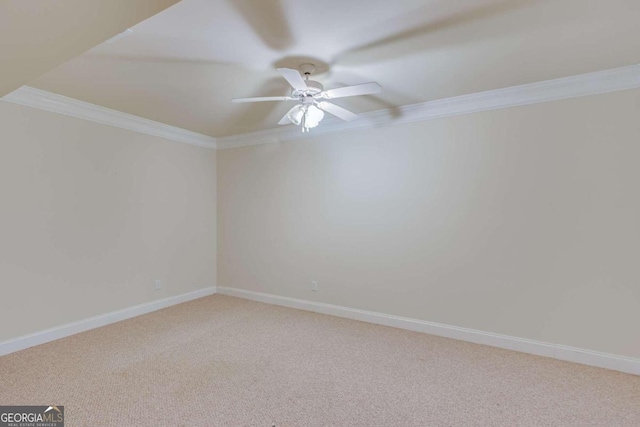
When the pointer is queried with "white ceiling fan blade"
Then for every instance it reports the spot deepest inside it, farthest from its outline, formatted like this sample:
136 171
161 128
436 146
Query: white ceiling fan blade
294 78
285 120
337 111
363 89
263 98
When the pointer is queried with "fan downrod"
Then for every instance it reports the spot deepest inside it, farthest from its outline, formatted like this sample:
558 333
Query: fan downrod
313 87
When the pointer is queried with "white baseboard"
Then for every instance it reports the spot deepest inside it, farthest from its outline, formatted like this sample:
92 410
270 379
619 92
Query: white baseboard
62 331
556 351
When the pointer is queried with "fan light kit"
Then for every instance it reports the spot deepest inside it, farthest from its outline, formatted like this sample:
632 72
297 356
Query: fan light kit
312 97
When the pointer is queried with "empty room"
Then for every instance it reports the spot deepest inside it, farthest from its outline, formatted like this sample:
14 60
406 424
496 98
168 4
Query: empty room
288 213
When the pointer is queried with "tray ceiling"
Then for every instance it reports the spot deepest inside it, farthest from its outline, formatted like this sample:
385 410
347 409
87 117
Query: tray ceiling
183 66
37 36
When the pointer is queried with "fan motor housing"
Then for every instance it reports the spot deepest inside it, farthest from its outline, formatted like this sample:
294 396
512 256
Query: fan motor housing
313 88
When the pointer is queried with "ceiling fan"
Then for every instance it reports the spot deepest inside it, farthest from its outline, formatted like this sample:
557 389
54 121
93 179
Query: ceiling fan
312 98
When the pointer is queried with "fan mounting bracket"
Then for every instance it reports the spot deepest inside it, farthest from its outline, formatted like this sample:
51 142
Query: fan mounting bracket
307 69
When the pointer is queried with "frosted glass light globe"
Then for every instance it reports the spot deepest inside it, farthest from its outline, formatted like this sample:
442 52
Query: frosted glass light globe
296 114
313 117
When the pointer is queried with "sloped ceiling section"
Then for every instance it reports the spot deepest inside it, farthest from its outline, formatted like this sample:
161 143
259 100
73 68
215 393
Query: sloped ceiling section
183 66
39 35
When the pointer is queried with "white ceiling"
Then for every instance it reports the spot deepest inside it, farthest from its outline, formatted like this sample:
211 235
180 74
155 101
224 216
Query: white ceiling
37 36
182 66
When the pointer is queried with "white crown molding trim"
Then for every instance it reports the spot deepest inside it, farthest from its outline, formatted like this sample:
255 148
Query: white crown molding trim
550 90
73 328
599 82
556 351
36 98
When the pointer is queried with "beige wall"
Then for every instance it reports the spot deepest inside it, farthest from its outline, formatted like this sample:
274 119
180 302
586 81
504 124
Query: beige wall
91 215
523 221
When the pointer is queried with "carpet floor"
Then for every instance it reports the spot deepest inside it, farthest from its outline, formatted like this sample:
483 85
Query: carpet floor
223 361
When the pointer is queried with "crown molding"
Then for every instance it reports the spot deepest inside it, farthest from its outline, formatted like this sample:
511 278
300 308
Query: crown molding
550 90
599 82
36 98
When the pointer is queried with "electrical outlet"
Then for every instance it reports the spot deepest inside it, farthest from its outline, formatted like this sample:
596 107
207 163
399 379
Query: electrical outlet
314 286
158 284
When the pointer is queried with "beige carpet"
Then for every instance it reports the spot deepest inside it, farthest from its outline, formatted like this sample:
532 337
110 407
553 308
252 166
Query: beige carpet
223 361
